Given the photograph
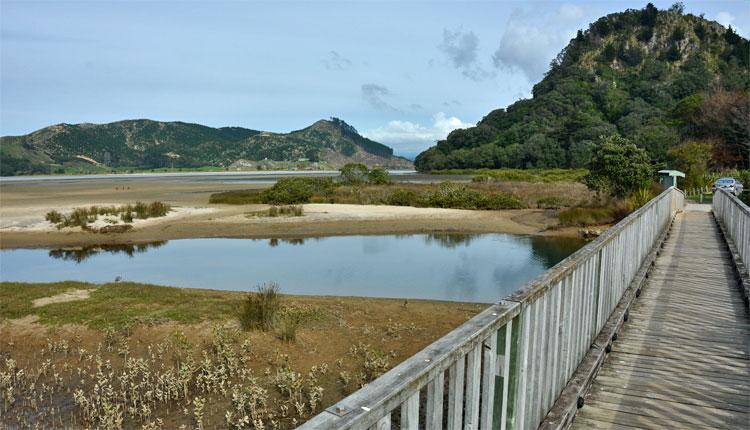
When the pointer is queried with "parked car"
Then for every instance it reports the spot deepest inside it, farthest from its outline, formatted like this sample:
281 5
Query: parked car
730 184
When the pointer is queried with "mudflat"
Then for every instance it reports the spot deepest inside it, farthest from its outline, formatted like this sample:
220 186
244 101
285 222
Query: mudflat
23 205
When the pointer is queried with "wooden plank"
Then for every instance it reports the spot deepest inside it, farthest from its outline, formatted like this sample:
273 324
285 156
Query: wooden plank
473 384
410 413
506 374
682 360
434 408
489 349
456 393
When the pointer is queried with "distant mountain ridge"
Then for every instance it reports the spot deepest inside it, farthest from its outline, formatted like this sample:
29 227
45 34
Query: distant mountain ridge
146 144
648 75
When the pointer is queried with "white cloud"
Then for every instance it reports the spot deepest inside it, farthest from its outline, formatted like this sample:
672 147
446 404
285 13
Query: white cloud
725 18
527 48
461 48
408 136
530 42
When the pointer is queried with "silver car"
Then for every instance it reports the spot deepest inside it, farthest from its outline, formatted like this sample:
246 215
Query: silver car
730 184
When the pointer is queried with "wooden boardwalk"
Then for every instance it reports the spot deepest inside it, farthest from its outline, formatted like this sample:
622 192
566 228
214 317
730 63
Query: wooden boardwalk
681 360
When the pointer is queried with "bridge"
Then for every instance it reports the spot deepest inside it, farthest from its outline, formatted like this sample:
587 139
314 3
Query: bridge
645 327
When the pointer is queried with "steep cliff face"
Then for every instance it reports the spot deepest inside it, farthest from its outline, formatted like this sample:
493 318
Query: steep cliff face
631 73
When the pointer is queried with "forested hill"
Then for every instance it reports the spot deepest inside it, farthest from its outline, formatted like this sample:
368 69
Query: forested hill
147 144
656 77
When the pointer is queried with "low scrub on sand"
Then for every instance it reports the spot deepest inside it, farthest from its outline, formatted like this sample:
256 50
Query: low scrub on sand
144 356
82 217
278 211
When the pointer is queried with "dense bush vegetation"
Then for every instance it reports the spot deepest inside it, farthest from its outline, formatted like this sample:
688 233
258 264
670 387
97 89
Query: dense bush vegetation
445 195
657 78
288 191
618 167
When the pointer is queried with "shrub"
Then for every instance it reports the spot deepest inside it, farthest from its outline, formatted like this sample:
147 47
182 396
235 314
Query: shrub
288 325
582 216
402 197
54 217
354 173
158 209
457 196
260 308
378 176
550 203
619 167
640 197
287 191
126 217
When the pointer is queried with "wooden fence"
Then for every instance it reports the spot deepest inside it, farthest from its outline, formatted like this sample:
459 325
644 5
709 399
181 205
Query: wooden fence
504 368
735 217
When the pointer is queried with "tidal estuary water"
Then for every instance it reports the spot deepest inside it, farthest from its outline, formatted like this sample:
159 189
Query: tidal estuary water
457 267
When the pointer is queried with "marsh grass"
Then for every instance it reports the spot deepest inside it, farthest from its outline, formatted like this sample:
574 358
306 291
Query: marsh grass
118 305
82 217
260 309
520 175
279 211
610 212
121 371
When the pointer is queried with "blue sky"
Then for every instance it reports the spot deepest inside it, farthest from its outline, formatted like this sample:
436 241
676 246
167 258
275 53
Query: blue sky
403 73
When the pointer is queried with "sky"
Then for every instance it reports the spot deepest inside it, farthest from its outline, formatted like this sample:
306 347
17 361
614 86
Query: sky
404 73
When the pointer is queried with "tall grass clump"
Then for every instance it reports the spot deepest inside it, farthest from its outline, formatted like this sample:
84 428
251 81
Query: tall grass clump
81 217
261 308
608 213
54 217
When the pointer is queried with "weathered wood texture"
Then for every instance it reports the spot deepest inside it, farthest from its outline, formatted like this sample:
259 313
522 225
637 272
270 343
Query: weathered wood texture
682 359
733 217
506 366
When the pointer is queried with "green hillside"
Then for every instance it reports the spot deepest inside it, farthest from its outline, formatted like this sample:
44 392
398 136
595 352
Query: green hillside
656 77
147 144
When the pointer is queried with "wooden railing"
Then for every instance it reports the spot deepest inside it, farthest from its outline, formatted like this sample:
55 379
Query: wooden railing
735 216
504 368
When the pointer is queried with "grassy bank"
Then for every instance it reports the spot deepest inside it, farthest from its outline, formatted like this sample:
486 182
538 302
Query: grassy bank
520 175
477 195
145 356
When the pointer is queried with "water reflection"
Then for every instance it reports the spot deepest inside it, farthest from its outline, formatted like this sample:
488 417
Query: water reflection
79 254
446 266
450 240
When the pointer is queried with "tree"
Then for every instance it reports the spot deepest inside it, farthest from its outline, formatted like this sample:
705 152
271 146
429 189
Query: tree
354 173
378 176
619 167
692 157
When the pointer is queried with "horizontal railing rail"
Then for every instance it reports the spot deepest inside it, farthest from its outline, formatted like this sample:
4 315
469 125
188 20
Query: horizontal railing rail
735 216
504 368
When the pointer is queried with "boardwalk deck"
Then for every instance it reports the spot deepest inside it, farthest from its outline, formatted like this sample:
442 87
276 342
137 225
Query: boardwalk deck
682 360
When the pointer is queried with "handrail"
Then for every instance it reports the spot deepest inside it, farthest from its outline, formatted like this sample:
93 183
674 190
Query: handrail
735 216
506 366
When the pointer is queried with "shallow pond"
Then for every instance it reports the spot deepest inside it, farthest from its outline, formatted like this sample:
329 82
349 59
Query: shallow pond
458 267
